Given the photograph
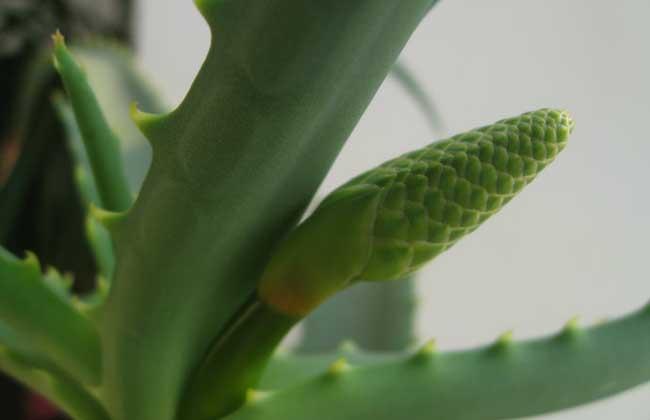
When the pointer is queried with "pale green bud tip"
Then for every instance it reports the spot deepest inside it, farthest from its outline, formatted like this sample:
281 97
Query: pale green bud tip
58 38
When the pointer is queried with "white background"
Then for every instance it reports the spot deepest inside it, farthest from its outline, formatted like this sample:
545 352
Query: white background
574 243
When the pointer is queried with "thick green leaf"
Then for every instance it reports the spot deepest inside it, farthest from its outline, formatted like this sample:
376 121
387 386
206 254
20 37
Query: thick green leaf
33 306
117 80
67 394
101 144
501 381
287 370
234 166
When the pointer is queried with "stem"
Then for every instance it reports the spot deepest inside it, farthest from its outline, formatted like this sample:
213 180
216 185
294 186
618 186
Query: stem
283 86
236 361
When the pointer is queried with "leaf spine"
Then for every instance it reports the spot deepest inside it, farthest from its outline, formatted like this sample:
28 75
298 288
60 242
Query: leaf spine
504 342
254 396
146 122
426 352
571 328
109 219
31 260
338 368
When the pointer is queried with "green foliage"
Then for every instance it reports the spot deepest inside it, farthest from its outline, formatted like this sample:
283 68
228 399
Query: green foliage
40 314
101 144
423 100
500 381
206 270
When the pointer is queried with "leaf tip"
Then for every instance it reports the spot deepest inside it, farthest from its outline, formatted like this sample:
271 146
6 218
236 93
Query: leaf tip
58 39
571 328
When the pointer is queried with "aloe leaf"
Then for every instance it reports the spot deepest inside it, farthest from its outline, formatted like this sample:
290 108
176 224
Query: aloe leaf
500 381
101 144
33 305
97 236
82 169
118 81
21 361
287 369
234 166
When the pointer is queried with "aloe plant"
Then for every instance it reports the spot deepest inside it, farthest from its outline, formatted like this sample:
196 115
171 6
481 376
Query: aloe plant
207 267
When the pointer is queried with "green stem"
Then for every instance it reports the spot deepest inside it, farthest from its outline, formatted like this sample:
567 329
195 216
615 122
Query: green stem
235 362
234 166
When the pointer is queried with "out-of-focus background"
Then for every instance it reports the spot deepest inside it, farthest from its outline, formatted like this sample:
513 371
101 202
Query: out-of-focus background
575 242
